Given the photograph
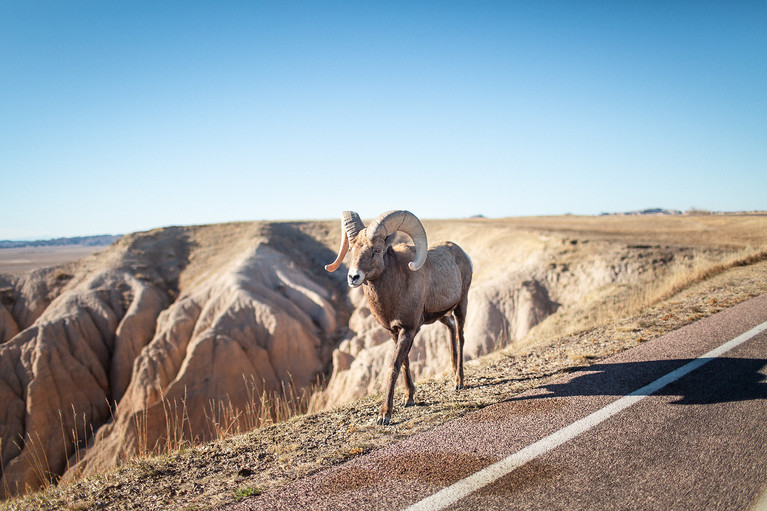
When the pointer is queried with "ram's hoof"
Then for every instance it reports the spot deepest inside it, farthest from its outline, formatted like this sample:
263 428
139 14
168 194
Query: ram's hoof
409 403
459 387
383 421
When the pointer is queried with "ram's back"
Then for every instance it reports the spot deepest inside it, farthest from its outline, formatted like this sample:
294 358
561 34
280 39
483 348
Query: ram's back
450 271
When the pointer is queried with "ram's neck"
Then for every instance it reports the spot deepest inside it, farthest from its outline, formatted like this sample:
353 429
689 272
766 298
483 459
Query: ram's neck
385 293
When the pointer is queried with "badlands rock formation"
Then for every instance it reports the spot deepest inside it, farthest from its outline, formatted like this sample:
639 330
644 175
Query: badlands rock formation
108 357
178 333
521 278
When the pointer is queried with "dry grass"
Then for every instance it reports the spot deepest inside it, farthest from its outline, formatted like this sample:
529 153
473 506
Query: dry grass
224 421
703 267
733 230
679 277
617 302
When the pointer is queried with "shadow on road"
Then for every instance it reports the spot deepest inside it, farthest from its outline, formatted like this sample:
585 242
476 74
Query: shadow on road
718 381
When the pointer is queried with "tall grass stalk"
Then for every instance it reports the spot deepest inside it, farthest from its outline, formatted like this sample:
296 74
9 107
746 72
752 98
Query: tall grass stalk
34 454
176 418
140 424
222 418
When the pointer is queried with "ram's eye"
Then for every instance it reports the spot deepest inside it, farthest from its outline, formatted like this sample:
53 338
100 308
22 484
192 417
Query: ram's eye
378 251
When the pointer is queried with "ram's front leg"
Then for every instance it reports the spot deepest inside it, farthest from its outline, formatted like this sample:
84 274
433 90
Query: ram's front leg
404 342
408 382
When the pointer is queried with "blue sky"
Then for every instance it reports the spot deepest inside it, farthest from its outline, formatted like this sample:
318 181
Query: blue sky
124 116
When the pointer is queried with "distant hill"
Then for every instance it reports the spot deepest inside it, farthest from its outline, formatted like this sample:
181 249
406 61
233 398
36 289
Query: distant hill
690 212
84 241
648 211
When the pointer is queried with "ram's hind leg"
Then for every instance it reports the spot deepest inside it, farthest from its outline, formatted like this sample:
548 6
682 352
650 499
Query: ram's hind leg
449 322
456 346
460 319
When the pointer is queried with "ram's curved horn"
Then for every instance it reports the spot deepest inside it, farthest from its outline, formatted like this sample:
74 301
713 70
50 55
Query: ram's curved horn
404 221
342 250
351 225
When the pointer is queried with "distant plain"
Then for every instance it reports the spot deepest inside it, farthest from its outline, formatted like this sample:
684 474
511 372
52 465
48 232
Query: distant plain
20 260
731 230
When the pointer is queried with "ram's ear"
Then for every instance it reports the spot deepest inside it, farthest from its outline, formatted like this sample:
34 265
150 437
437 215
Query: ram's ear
390 239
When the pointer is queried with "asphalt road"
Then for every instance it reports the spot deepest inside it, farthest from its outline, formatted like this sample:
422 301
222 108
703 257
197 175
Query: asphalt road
655 427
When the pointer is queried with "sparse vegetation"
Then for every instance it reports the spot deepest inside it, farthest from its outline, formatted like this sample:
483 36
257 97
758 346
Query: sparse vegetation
241 493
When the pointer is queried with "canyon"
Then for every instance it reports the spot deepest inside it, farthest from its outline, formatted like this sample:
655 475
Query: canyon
186 334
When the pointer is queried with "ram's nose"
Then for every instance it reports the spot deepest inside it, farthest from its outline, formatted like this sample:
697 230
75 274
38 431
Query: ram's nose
355 278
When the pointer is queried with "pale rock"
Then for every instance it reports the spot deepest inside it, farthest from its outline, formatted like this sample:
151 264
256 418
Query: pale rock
103 361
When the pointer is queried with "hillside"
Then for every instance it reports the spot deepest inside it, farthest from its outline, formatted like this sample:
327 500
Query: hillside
180 335
101 347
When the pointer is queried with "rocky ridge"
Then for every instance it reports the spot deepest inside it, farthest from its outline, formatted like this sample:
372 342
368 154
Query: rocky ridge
116 354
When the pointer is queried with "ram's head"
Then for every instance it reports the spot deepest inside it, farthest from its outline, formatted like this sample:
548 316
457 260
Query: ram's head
369 244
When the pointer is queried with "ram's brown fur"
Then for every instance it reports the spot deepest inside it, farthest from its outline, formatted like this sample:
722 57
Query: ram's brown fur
403 300
399 297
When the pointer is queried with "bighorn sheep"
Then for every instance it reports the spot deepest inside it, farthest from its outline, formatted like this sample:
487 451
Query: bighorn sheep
407 287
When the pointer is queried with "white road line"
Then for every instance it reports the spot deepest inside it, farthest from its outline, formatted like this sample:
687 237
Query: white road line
490 474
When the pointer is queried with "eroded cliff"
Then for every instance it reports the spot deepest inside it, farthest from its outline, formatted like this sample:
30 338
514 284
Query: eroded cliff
163 336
